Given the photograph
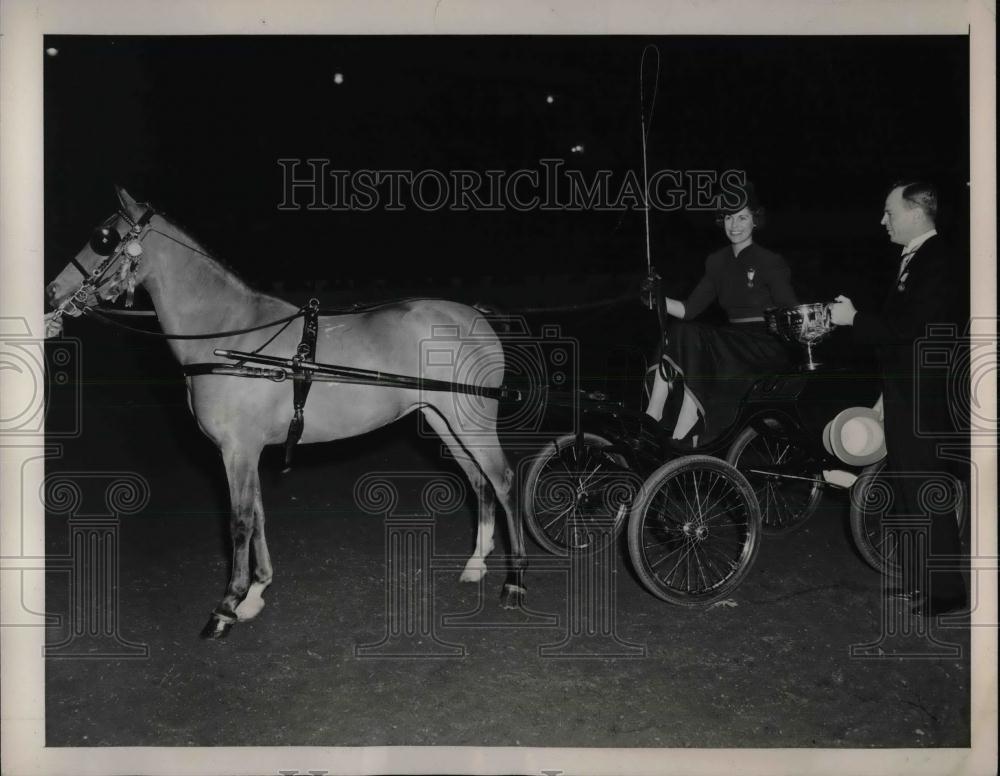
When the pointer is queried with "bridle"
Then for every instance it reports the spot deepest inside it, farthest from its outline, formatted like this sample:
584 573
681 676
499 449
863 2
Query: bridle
122 254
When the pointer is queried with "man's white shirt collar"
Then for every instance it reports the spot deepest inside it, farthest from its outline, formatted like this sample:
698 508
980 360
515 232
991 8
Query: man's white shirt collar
916 242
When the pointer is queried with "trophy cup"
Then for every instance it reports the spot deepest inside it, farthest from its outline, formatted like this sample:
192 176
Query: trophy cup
807 324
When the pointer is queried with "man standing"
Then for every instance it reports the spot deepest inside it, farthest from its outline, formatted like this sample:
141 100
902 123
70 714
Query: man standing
924 292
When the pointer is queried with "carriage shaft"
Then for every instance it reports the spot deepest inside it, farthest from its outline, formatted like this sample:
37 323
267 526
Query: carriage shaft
374 377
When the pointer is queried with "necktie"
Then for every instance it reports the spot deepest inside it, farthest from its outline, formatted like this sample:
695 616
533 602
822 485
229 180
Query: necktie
902 275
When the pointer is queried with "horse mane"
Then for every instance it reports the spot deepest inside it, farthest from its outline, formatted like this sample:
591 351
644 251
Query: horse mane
210 255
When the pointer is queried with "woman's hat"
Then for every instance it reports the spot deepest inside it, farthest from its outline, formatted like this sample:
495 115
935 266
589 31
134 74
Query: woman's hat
855 436
734 198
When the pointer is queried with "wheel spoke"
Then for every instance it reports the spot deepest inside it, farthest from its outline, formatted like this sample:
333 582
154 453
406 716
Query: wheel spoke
733 565
783 502
715 482
687 550
701 570
672 509
558 517
895 545
784 509
729 526
720 576
590 476
680 546
723 513
691 508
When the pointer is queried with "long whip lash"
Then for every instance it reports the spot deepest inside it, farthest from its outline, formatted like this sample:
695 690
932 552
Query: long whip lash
644 123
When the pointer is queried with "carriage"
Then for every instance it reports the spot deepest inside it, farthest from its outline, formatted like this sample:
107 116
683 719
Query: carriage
695 517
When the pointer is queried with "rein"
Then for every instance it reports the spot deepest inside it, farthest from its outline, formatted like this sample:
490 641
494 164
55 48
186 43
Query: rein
91 312
302 311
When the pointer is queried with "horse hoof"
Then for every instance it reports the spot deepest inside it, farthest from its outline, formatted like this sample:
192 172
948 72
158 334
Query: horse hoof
513 597
216 628
474 571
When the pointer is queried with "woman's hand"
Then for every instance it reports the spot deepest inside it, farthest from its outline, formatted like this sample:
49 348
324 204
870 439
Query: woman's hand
650 293
842 311
675 307
649 290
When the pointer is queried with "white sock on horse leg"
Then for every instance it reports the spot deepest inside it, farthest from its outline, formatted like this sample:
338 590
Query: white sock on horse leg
687 417
658 396
251 605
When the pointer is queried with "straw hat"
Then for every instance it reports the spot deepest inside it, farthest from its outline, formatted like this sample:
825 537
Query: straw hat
855 436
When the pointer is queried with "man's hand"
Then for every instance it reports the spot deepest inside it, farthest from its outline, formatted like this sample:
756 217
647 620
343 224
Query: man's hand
53 324
842 312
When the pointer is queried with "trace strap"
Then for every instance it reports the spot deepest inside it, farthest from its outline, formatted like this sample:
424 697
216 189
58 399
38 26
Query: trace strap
306 352
282 369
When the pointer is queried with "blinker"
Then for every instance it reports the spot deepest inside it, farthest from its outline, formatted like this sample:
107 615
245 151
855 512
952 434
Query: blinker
104 240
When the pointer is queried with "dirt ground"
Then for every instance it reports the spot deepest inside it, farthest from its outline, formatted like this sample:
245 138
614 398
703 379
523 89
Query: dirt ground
771 667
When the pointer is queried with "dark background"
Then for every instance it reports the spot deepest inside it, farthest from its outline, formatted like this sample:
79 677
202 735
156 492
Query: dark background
195 125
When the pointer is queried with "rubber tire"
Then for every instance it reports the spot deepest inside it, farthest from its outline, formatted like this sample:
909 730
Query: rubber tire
736 450
636 524
862 540
535 471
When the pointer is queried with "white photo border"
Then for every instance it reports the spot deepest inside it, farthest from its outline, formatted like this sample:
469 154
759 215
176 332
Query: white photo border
23 24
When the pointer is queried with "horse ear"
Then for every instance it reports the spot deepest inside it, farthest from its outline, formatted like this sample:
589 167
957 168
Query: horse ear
129 205
124 199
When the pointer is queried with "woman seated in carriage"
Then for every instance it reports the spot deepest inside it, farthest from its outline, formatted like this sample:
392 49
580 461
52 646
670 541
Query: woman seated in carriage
705 370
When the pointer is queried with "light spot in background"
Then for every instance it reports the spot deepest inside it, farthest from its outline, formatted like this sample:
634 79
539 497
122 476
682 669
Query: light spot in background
338 78
51 51
577 149
550 99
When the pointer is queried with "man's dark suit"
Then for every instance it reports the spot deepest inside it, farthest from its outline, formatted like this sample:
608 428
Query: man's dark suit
933 292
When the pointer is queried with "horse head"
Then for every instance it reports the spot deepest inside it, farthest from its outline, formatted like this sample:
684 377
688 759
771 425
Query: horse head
109 264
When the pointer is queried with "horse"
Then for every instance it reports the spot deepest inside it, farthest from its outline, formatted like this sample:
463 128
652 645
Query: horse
194 294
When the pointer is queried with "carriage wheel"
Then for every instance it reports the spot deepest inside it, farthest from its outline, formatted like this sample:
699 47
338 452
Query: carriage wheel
573 495
870 496
694 533
785 503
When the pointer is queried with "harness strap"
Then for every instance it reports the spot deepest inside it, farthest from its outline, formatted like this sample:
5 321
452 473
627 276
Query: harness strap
93 313
345 374
236 370
80 268
306 351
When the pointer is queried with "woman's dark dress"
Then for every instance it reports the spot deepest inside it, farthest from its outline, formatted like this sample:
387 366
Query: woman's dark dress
719 364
